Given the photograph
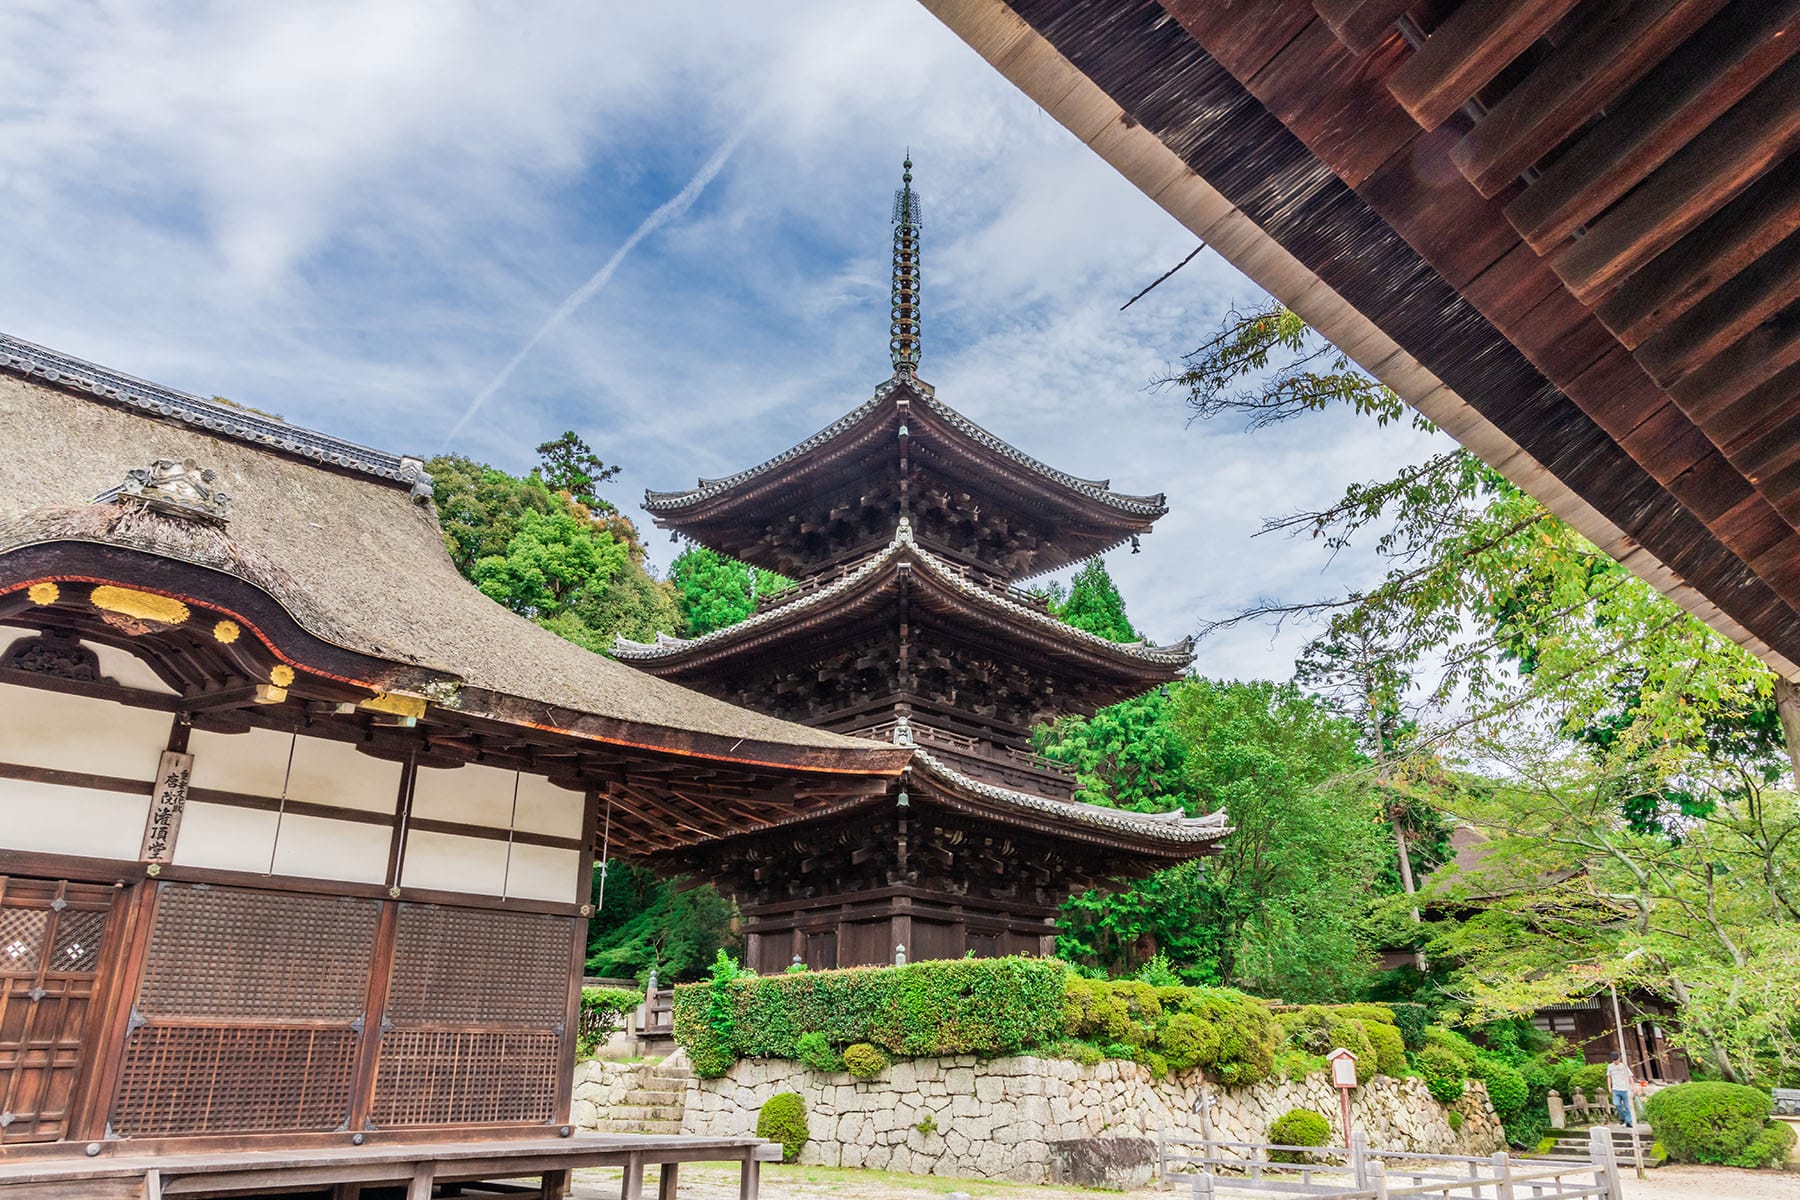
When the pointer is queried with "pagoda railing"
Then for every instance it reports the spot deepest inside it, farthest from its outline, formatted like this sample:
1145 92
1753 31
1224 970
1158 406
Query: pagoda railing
1006 765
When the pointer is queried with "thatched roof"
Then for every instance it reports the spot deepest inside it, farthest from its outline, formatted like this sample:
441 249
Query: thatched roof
346 547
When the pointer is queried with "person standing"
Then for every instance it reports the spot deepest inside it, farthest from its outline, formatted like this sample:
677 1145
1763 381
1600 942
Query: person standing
1618 1078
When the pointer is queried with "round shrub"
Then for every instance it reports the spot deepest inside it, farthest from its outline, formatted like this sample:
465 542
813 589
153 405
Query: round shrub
864 1061
1455 1043
1443 1072
1186 1041
1722 1123
815 1051
1770 1148
1506 1088
783 1119
1390 1050
1455 1119
1298 1127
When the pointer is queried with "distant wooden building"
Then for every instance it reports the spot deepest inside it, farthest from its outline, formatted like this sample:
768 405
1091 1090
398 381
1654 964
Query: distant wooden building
907 527
296 828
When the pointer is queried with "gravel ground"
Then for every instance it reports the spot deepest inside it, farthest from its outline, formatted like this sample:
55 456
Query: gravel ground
1711 1183
827 1183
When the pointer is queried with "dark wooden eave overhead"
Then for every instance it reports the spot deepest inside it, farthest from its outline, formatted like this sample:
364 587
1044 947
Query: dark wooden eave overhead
1566 230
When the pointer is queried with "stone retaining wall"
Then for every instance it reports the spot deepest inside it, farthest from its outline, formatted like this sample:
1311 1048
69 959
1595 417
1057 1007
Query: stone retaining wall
1017 1118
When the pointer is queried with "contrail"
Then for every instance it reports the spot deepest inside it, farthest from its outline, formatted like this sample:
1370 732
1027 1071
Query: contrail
670 209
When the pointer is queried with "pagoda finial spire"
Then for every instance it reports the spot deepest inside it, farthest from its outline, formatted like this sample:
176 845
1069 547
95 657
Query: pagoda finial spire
903 330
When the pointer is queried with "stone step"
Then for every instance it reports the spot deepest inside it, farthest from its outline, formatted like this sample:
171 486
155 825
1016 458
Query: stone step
655 1127
647 1095
643 1112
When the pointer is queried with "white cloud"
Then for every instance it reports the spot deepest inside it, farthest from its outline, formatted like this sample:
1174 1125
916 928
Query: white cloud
356 213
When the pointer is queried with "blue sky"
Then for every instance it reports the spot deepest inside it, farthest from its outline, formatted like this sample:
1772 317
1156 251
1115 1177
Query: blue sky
358 214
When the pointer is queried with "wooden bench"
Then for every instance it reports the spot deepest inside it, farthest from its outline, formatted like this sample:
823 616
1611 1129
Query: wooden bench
417 1166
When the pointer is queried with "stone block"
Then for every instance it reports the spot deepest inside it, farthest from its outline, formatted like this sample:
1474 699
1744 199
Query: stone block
1120 1163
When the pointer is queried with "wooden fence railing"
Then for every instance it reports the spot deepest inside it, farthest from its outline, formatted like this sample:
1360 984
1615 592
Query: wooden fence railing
1357 1172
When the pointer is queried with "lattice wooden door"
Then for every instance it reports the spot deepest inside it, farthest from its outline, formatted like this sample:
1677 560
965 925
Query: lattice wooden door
51 936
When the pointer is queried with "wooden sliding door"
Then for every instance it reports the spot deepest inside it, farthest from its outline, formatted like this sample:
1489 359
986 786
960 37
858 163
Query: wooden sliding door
52 941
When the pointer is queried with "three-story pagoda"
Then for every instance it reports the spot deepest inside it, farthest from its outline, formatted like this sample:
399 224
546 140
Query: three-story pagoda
907 528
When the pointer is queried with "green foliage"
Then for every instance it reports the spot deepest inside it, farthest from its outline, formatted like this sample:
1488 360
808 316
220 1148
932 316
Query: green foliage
1390 1049
927 1124
1158 973
1295 1064
989 1007
712 591
1279 910
1444 1073
1296 371
1298 1127
571 466
782 1118
649 922
1077 1051
1455 1119
1410 1020
709 1031
548 547
814 1049
1186 1041
865 1061
1722 1123
1093 604
603 1013
1505 1087
1590 1078
1454 1043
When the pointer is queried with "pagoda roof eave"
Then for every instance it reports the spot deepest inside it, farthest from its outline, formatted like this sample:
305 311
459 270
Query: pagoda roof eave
1159 833
666 507
1136 656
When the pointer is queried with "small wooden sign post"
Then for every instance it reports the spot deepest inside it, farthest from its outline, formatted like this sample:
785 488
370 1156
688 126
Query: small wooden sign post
1343 1076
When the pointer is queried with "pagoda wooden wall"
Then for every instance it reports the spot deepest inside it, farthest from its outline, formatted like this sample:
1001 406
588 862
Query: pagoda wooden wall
863 928
331 945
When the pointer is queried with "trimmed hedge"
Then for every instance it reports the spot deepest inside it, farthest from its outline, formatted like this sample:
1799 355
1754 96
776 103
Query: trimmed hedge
1726 1124
783 1119
987 1007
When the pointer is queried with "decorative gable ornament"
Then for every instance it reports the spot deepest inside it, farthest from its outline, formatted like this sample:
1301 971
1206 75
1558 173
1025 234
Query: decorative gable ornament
182 489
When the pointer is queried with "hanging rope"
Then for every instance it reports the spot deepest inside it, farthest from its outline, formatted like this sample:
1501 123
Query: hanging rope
605 854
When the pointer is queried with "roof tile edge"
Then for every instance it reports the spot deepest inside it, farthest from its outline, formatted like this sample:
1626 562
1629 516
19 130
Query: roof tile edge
29 360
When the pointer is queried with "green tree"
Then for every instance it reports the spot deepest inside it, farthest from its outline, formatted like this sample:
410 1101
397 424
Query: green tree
569 465
1093 603
1278 910
713 591
643 922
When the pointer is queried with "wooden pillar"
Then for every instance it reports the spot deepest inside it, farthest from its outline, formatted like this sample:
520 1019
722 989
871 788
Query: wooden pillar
666 1177
749 1183
633 1186
420 1187
555 1185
